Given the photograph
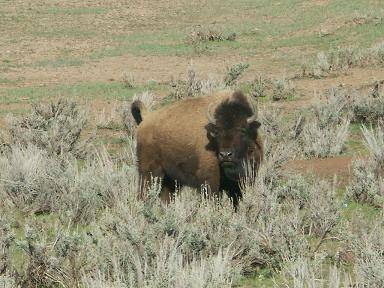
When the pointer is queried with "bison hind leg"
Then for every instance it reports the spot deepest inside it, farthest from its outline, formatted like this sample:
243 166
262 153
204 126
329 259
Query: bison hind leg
168 185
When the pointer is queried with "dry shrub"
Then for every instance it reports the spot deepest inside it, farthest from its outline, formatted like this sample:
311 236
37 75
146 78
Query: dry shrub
32 180
209 33
6 239
283 89
370 108
362 108
363 238
191 86
342 59
109 118
128 80
306 272
280 88
29 178
136 243
326 128
322 141
7 281
367 185
279 129
56 128
259 87
233 73
122 241
201 35
52 261
368 248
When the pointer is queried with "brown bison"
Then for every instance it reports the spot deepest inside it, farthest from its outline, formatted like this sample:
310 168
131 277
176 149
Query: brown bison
198 142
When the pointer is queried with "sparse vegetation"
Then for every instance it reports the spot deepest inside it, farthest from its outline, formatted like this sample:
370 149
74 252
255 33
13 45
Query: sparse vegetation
70 216
326 131
205 33
233 73
259 86
370 108
192 86
342 59
128 80
55 128
201 35
283 88
368 186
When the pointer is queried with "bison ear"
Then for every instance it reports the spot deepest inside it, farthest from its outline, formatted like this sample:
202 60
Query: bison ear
252 128
212 131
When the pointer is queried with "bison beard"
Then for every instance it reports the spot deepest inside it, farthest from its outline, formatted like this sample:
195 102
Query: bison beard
198 141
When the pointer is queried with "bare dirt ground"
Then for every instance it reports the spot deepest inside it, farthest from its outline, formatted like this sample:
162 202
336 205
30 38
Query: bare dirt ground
144 68
339 167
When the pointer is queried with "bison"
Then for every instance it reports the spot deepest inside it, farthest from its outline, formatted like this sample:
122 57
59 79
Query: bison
198 142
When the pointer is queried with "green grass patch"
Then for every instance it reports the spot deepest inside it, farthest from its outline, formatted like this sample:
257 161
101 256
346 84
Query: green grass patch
145 43
76 11
9 81
264 278
352 208
355 143
77 91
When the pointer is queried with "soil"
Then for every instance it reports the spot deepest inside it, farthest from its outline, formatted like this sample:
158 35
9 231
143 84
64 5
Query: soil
338 168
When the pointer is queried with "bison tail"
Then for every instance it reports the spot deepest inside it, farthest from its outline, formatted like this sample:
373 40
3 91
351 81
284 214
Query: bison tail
138 110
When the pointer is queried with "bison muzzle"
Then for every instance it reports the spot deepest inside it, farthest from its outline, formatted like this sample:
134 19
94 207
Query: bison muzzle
198 142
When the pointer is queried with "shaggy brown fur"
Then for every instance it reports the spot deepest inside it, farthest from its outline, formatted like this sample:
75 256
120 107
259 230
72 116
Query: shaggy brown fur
179 144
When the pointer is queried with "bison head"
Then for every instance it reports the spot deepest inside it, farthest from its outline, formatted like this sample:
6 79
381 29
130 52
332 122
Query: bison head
232 133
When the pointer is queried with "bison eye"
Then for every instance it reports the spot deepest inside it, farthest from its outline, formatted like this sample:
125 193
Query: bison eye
212 130
214 133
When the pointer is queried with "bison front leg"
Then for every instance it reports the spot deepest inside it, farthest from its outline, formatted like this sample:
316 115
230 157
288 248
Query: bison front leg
148 174
210 181
168 189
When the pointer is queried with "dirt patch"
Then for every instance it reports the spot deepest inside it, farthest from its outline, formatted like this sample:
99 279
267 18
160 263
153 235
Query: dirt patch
325 168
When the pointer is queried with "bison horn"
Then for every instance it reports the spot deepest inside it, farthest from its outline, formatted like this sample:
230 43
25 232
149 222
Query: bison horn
211 119
251 119
254 116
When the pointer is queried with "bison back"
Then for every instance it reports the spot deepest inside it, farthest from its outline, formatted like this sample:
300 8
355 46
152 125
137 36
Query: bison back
172 141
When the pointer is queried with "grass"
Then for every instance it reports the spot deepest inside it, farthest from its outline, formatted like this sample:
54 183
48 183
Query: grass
77 91
256 33
367 211
9 81
355 144
262 279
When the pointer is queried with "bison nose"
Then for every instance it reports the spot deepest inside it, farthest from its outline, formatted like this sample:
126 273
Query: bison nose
225 155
